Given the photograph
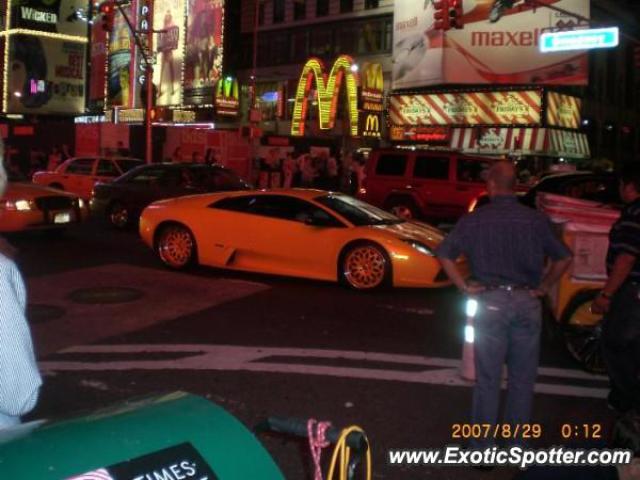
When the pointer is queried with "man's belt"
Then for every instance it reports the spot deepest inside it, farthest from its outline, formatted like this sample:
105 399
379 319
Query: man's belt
508 287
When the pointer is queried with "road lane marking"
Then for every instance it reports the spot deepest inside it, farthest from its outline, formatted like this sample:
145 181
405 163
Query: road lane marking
167 295
438 371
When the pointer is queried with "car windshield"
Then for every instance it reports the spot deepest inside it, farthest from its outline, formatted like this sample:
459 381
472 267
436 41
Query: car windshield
127 164
357 212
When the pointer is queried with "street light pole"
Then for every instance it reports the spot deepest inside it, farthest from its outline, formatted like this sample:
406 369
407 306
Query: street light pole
149 80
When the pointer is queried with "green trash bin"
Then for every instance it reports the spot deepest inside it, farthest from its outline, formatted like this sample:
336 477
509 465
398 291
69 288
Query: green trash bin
172 437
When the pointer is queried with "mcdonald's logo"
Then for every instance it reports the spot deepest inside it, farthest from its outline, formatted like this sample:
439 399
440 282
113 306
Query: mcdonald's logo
227 96
372 91
371 125
328 89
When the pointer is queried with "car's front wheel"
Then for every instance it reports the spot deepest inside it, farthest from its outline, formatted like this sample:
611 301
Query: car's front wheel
176 246
119 215
365 266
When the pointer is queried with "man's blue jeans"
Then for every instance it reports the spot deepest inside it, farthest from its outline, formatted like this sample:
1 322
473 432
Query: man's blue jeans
507 330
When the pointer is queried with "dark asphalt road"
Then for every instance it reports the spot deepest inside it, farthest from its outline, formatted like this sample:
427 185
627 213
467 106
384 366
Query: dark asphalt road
401 409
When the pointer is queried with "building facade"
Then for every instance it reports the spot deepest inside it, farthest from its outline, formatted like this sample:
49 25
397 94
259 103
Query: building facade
291 31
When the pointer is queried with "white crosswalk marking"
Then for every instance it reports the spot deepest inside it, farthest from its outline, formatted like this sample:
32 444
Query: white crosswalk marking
437 371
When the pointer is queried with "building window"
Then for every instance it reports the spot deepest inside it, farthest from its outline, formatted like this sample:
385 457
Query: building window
370 37
321 42
322 8
278 11
299 9
346 6
368 4
299 48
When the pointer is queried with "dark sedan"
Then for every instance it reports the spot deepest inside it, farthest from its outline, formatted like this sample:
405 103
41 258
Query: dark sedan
597 187
122 200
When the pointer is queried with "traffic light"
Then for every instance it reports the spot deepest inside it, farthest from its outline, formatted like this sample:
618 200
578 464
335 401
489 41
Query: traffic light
107 10
441 15
455 14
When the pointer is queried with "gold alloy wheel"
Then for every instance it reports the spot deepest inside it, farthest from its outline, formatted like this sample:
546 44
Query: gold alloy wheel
365 267
176 246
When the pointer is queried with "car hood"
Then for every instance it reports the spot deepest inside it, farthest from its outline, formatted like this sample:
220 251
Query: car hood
413 230
16 190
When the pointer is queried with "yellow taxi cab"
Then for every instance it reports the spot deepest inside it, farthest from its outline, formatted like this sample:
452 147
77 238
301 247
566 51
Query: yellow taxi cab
26 206
295 232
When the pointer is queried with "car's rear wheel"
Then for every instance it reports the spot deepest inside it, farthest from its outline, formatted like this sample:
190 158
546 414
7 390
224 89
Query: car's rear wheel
365 266
403 207
582 331
176 246
119 215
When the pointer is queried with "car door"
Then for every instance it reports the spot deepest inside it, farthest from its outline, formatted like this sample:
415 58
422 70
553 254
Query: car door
141 188
78 176
430 179
275 234
388 176
469 181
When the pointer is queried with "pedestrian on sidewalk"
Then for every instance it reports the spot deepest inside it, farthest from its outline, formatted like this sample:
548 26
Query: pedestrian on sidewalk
506 244
619 299
19 377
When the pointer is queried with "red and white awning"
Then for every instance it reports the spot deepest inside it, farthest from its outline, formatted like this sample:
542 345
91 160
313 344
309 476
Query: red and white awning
520 141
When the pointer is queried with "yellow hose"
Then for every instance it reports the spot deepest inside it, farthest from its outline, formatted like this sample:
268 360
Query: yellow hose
344 451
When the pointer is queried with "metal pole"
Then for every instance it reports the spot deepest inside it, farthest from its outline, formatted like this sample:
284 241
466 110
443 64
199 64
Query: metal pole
149 106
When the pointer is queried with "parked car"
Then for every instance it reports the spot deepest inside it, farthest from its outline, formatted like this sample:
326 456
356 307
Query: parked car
597 187
429 184
79 175
122 200
26 206
295 232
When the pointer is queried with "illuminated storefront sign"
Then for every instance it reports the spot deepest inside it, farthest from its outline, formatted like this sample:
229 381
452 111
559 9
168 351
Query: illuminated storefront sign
44 50
563 110
371 124
472 108
227 97
327 91
432 135
372 88
579 40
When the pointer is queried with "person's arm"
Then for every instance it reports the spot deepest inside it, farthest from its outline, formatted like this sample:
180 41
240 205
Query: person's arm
560 257
622 266
555 271
448 251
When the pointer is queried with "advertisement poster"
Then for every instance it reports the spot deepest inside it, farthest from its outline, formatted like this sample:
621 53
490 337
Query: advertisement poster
55 16
203 60
169 16
98 63
563 110
45 75
121 48
495 45
521 107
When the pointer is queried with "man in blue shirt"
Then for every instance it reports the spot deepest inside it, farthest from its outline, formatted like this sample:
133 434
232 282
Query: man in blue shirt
19 377
506 244
619 300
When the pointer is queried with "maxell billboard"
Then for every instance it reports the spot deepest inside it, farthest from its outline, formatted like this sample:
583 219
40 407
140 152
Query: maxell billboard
490 49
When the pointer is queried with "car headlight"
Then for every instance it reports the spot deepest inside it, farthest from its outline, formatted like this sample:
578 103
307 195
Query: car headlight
81 204
421 247
20 205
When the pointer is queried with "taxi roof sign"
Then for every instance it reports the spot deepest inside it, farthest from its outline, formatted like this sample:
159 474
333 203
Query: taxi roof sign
579 39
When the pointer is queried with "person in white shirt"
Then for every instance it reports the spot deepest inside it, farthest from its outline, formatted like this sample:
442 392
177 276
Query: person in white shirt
20 379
